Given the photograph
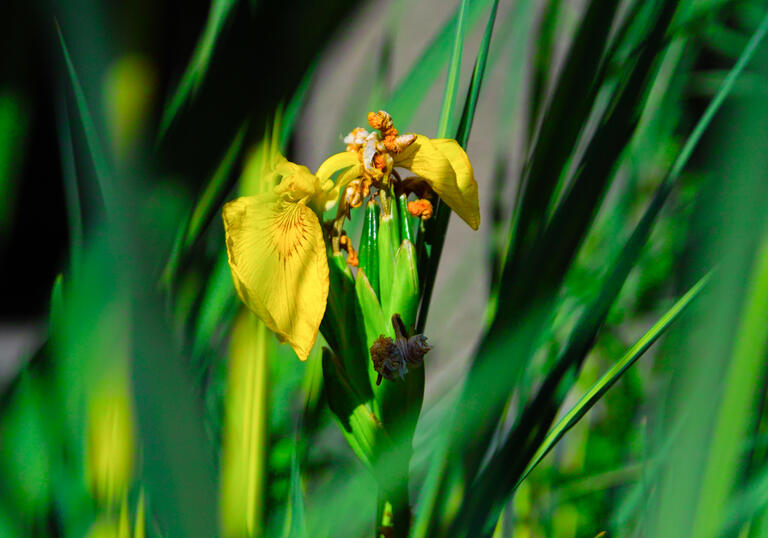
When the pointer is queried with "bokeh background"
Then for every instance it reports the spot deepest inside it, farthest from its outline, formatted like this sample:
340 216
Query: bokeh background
117 118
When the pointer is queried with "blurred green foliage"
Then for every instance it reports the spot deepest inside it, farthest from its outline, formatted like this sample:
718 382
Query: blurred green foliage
626 190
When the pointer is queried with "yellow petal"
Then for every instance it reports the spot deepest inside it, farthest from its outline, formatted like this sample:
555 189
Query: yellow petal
334 163
298 184
348 175
446 167
277 256
337 162
465 176
296 181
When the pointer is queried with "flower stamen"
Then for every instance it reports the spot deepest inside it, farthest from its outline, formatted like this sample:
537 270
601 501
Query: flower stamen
345 243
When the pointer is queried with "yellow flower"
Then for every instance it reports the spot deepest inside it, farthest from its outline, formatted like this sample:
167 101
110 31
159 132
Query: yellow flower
275 242
277 253
440 163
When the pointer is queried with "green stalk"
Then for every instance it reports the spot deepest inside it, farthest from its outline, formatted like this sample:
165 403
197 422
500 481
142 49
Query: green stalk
243 468
369 259
406 232
400 400
387 246
721 473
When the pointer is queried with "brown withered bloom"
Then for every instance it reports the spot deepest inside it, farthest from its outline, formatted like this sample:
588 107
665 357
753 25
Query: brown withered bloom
392 357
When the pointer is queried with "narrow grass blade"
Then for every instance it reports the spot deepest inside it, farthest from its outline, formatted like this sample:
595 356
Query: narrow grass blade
585 333
528 279
206 207
493 486
566 213
520 293
707 466
586 329
218 15
717 101
96 151
293 108
608 379
454 70
429 245
632 249
514 120
297 520
410 92
69 174
468 114
215 191
740 385
541 411
542 59
565 115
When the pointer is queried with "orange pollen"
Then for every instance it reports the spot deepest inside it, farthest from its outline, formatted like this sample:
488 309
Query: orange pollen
420 208
352 259
390 142
383 122
380 162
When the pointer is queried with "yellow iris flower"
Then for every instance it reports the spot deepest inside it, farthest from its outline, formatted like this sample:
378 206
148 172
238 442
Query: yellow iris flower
275 242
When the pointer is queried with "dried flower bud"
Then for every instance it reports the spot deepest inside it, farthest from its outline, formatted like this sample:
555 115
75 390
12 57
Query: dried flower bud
391 357
372 161
380 161
417 348
356 192
388 359
380 120
417 186
352 194
356 138
396 144
420 208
